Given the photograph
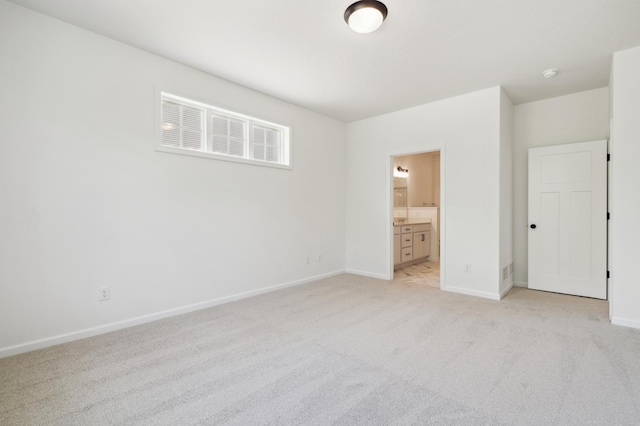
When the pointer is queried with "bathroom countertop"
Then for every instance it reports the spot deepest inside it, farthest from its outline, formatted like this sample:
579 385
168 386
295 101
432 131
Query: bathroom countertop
412 221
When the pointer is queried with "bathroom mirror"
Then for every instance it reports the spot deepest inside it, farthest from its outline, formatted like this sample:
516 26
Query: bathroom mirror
400 198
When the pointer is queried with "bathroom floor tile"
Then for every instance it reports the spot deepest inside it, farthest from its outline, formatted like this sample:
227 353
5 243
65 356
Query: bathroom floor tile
425 273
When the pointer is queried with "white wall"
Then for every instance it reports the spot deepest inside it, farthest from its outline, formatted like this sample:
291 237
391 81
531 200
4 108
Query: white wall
87 202
579 117
467 129
506 192
625 181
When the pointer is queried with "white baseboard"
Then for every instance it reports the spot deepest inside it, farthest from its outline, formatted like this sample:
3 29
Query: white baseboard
521 284
625 322
483 294
367 274
102 329
506 290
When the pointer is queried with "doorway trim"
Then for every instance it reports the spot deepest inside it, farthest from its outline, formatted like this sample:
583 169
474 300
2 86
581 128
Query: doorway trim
442 208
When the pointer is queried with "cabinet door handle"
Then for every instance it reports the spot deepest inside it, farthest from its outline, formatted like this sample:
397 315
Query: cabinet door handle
422 237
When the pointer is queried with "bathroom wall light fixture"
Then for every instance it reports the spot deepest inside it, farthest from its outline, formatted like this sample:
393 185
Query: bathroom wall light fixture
401 173
365 16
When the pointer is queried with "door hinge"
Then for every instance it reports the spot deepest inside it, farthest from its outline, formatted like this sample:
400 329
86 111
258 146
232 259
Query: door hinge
608 157
608 274
608 216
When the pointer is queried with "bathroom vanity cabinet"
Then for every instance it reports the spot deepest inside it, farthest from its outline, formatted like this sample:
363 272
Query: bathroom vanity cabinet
411 243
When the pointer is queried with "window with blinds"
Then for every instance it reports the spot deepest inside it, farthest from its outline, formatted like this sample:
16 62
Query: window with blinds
193 128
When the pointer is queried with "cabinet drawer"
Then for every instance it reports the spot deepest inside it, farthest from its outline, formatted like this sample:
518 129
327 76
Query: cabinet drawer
407 254
396 230
407 229
421 227
406 240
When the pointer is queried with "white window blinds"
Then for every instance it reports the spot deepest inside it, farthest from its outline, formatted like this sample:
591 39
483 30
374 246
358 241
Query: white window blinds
197 129
228 135
181 126
266 144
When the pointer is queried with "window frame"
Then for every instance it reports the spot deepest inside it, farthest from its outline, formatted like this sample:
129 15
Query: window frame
285 132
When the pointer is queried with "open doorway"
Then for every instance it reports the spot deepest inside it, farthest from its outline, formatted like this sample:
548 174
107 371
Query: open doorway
416 218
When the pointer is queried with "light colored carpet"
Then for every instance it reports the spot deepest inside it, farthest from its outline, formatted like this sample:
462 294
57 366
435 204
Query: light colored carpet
344 350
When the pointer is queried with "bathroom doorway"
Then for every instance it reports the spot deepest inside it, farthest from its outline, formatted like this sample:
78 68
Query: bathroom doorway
417 202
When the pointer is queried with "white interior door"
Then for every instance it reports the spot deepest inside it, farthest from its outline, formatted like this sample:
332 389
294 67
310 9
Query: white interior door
568 219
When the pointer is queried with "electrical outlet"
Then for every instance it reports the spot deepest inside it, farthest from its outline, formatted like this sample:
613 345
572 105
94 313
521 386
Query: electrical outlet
467 267
104 293
306 259
320 257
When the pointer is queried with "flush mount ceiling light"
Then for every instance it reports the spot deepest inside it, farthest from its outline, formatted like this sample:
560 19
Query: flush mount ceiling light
365 16
550 73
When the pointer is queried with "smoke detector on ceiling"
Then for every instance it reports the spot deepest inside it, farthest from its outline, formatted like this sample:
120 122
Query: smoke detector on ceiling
550 73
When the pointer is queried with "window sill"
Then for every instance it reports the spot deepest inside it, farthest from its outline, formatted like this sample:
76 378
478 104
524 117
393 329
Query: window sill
212 156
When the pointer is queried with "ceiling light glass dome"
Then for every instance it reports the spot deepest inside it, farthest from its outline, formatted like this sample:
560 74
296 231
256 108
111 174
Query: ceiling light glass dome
365 16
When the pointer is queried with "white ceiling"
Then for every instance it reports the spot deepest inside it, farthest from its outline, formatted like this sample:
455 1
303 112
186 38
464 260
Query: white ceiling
302 51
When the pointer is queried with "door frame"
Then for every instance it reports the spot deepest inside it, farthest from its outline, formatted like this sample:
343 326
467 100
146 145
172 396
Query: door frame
609 198
442 207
